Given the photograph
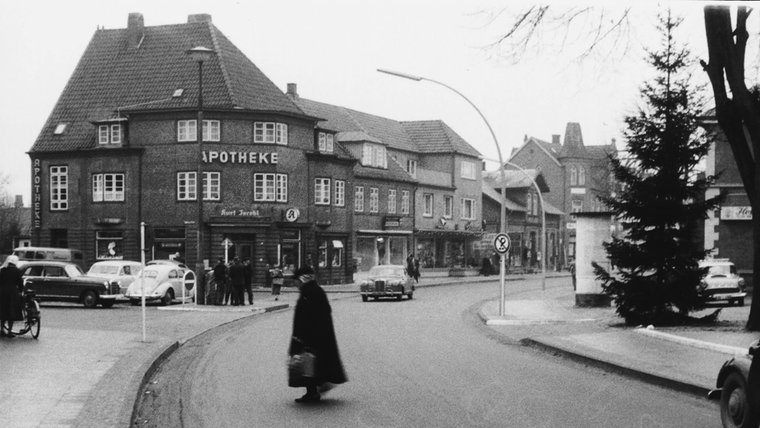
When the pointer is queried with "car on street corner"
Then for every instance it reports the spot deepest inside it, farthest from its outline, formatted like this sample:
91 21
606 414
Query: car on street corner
123 272
66 282
169 263
386 281
722 283
739 391
161 282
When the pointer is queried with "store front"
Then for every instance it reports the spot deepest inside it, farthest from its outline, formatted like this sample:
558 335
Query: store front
381 248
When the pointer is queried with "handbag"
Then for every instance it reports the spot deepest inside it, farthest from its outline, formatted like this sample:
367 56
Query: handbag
301 369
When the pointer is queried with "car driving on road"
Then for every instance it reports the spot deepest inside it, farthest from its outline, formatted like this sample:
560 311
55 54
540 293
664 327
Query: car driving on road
66 282
122 272
386 281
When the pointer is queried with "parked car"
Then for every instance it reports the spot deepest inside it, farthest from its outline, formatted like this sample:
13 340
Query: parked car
722 283
169 263
122 272
49 253
162 282
65 281
386 281
738 390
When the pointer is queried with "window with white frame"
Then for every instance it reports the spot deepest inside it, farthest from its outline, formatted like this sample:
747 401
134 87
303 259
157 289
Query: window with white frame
581 176
468 209
529 203
374 199
448 206
391 201
427 205
340 193
573 176
270 187
577 205
359 199
59 188
109 134
374 155
211 130
270 133
411 167
326 142
107 187
187 130
468 170
404 202
322 191
187 186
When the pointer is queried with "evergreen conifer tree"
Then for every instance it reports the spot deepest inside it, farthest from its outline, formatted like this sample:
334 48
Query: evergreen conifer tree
656 277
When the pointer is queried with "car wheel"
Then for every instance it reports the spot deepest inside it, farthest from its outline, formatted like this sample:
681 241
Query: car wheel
735 411
107 303
411 295
90 299
365 298
168 297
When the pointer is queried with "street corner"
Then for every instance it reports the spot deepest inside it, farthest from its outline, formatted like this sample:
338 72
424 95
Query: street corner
536 312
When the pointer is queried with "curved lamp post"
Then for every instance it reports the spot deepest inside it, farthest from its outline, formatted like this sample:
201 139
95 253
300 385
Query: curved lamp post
200 54
503 215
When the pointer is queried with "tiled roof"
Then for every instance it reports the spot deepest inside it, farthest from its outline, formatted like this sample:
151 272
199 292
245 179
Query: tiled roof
115 76
354 125
495 196
515 179
394 172
434 136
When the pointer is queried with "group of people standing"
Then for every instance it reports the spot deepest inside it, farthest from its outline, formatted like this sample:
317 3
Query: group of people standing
233 282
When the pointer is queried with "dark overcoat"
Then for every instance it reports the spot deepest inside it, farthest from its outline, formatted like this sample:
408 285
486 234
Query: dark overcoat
11 284
313 331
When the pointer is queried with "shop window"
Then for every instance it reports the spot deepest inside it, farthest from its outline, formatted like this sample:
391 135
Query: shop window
108 244
337 253
59 188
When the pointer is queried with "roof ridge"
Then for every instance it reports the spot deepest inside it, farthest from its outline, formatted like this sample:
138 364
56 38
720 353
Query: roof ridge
217 48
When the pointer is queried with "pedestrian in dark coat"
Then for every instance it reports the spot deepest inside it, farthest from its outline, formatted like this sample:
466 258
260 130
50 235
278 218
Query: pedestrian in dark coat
11 285
248 280
220 278
313 331
237 279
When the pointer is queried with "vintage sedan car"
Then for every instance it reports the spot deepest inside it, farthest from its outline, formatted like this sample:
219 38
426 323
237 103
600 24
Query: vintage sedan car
169 263
722 283
386 281
122 272
66 282
161 282
738 390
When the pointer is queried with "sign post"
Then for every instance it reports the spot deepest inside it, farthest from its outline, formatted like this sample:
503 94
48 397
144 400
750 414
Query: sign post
501 246
227 243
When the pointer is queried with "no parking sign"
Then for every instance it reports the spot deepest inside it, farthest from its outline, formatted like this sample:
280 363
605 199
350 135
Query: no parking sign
501 243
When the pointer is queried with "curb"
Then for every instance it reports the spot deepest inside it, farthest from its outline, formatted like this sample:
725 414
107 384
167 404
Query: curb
725 349
647 377
214 308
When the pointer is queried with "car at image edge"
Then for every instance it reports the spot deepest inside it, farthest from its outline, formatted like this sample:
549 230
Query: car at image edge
722 283
67 282
386 281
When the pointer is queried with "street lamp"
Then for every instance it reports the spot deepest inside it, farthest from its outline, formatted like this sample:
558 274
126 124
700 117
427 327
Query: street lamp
503 216
200 54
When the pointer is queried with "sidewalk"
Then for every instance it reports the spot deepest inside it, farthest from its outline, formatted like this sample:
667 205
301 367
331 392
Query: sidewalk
684 358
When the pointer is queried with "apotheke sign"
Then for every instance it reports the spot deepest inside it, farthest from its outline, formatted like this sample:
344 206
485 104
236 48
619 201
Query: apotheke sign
232 157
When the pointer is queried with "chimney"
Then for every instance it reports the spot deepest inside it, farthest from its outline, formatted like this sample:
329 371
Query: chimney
555 139
199 17
135 27
293 90
19 201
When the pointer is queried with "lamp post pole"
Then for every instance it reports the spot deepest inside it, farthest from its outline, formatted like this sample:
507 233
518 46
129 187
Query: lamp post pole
200 54
503 214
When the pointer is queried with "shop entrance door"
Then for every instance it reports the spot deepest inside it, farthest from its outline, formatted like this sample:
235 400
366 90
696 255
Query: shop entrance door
243 246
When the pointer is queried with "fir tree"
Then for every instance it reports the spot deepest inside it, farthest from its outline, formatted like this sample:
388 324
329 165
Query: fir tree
656 276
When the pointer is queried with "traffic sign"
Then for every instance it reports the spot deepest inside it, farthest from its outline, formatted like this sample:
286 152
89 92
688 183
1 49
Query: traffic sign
501 243
227 243
189 280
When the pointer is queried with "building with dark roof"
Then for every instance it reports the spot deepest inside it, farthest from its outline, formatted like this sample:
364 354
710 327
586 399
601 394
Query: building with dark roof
576 174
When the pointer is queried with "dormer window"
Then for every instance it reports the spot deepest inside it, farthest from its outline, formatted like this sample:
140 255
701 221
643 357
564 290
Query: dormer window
59 129
178 93
374 155
110 134
326 142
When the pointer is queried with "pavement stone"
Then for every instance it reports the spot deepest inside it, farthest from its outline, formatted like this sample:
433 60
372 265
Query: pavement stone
684 358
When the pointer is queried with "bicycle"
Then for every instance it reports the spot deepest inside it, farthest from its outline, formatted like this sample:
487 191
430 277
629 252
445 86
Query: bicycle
30 312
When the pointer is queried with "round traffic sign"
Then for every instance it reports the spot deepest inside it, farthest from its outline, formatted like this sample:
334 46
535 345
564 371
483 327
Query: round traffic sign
501 243
189 280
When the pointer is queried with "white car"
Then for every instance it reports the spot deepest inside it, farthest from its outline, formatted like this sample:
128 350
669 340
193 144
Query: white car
722 283
122 272
162 282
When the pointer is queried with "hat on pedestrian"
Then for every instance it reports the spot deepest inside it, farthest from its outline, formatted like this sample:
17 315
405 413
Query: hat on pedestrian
12 259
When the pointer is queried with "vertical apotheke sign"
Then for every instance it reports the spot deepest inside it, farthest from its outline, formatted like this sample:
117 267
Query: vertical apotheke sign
37 194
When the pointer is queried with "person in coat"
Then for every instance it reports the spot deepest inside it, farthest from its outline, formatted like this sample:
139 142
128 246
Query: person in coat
220 278
313 331
237 279
11 285
248 280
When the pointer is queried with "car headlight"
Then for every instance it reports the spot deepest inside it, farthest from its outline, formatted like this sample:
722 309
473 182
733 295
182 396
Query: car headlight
741 283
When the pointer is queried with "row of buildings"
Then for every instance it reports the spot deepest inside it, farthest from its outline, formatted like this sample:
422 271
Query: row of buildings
285 180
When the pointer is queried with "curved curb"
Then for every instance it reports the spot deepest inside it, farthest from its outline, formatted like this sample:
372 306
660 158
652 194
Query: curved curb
644 376
696 343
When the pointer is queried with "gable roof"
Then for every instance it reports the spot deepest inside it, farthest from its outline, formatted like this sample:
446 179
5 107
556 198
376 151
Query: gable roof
120 74
434 136
551 150
515 179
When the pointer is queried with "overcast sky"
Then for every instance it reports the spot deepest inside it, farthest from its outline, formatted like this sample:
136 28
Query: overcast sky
331 50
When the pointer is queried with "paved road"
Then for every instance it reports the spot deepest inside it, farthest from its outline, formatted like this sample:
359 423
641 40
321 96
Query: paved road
424 362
